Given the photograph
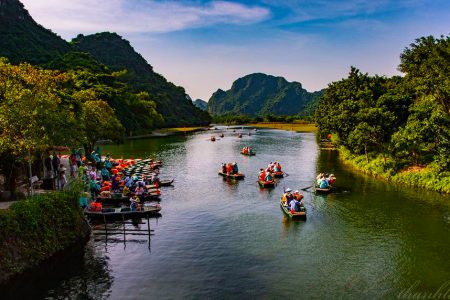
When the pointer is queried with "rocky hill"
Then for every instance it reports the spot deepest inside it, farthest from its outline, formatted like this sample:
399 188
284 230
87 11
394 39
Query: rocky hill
260 94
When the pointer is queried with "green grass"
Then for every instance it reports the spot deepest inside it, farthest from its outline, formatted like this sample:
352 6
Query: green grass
299 127
427 177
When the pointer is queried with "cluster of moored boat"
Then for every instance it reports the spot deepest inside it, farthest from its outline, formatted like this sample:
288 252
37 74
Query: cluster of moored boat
133 191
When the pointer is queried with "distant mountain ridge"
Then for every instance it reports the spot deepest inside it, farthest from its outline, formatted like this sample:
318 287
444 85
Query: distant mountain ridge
203 105
260 94
23 40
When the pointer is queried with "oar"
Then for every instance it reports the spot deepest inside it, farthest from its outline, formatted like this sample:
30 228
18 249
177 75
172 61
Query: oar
304 189
286 174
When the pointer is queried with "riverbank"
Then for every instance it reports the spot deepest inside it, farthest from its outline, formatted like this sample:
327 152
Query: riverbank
35 229
298 127
427 177
167 132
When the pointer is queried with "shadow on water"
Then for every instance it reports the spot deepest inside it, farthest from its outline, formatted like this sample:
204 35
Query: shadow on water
79 273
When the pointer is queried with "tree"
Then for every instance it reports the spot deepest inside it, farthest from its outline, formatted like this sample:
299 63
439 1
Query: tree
100 123
35 113
426 64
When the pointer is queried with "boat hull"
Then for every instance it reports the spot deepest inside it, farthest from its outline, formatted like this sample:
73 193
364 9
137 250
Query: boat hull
266 184
238 176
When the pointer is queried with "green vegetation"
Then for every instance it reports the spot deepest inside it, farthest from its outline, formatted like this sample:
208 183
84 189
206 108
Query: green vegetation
117 54
33 230
229 119
397 128
260 95
104 62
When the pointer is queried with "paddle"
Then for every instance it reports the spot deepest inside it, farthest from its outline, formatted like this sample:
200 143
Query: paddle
304 189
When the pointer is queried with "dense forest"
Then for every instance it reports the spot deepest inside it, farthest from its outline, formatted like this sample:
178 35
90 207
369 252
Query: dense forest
258 95
398 124
140 98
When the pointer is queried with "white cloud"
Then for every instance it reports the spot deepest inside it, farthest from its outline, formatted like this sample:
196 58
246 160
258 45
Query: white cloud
138 16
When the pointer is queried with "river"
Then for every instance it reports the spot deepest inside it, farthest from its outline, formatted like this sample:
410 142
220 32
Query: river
222 240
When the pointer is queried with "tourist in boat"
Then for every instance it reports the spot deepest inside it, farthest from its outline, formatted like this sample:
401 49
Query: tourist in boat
275 167
287 197
224 168
135 204
126 191
140 190
235 168
115 187
262 175
319 178
268 176
331 179
128 181
229 168
298 197
293 204
95 188
279 167
324 183
105 174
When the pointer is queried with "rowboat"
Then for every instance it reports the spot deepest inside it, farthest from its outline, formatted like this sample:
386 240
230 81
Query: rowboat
323 191
232 176
166 182
266 184
248 153
279 174
295 215
124 213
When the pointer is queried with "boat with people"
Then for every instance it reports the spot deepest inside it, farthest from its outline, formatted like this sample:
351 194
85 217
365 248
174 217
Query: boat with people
266 184
292 204
248 151
324 183
231 170
236 176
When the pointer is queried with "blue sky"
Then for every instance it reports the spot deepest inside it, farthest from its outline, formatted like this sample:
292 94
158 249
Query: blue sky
206 45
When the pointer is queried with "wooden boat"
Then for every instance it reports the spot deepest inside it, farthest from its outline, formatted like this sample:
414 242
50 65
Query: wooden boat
249 153
266 184
166 182
278 174
232 176
110 214
295 215
323 191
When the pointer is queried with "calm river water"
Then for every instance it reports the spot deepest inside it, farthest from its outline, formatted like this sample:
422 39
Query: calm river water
222 240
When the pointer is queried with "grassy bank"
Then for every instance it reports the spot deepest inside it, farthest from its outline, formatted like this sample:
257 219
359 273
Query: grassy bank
34 229
167 131
299 127
427 177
